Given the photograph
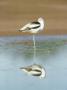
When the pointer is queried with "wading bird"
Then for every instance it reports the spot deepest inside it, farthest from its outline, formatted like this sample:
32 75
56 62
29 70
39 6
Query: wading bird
33 27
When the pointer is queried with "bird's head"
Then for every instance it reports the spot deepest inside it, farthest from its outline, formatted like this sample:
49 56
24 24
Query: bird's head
40 19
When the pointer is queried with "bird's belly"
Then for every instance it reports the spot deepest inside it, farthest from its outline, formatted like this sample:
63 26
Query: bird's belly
34 30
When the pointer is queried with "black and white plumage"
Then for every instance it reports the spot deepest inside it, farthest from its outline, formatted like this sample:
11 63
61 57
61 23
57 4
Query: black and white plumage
34 70
33 27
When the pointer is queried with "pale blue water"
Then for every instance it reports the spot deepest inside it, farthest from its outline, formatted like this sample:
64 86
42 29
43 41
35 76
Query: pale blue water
51 52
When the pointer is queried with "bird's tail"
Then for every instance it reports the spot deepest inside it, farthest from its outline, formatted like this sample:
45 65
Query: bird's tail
25 28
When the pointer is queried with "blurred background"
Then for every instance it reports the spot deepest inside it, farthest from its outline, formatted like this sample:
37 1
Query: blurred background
16 13
16 48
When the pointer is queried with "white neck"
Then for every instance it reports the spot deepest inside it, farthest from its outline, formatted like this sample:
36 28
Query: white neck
42 24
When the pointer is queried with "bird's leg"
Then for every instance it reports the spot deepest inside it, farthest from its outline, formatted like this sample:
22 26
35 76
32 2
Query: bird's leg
34 41
34 46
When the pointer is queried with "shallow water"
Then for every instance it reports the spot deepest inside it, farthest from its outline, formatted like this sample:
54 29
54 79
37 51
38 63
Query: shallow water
15 52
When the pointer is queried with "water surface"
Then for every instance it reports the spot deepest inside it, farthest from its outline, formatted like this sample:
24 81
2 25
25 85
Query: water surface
15 52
